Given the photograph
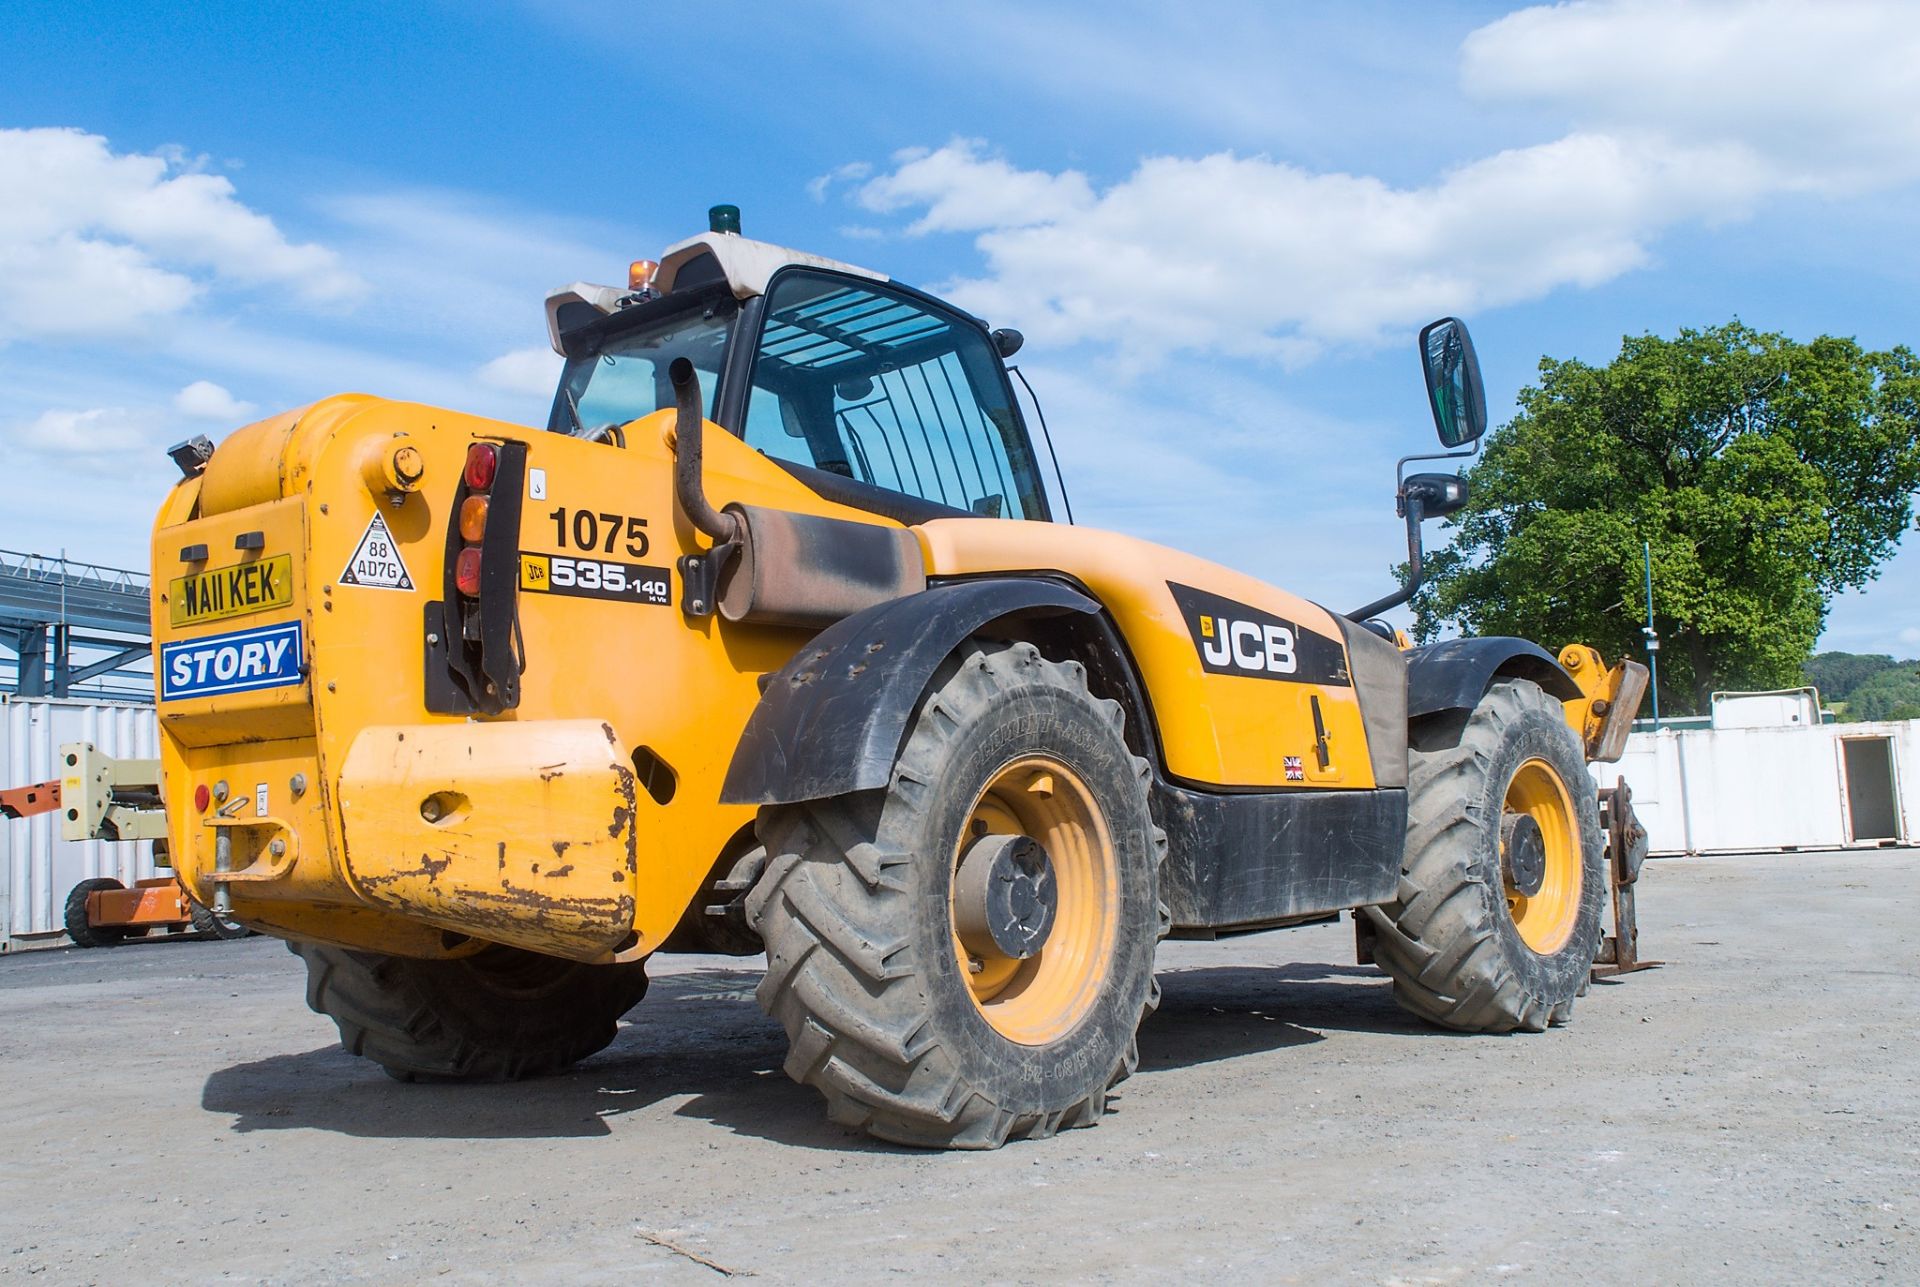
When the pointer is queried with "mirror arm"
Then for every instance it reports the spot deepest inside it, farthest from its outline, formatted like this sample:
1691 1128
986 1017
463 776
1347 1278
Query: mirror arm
1400 465
1416 512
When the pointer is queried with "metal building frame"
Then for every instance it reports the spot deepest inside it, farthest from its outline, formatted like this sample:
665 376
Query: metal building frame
70 628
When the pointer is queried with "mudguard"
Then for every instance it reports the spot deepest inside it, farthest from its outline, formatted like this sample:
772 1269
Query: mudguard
833 718
1456 673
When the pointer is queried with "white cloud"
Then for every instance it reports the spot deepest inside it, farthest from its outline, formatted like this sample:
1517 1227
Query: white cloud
1682 111
963 191
1251 256
1822 92
534 372
99 431
93 241
851 172
205 400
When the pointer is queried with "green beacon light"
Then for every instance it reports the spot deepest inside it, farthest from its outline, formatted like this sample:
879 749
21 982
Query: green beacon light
724 219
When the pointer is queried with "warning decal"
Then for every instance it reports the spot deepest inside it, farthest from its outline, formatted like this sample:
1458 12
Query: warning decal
376 560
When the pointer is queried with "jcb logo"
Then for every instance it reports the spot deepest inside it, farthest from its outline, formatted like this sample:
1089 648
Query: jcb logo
1247 645
1234 638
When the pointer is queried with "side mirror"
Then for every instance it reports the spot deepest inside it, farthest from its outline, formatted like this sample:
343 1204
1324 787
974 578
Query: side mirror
1454 389
1438 495
1007 341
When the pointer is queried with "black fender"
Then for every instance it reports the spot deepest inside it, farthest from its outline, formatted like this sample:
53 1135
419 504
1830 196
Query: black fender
833 718
1456 673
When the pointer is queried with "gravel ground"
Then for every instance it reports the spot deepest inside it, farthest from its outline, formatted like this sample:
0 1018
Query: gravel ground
173 1113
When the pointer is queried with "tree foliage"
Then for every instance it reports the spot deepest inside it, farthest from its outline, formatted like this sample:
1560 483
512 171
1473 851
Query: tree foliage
1837 674
1867 685
1767 474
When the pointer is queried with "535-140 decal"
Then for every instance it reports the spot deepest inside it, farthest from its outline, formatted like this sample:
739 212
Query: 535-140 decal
588 578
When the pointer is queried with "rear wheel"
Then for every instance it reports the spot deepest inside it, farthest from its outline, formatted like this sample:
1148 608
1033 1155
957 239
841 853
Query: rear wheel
965 956
1503 883
79 928
501 1014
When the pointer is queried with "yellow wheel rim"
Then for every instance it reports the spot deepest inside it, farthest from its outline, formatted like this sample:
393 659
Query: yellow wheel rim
1545 919
1040 999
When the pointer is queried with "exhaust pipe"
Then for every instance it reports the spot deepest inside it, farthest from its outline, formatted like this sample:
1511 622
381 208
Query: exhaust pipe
689 449
773 566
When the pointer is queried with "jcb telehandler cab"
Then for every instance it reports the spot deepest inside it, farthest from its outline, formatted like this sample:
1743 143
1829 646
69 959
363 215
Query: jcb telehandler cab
770 642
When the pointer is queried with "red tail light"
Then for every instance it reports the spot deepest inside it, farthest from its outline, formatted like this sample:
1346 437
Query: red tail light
466 572
483 458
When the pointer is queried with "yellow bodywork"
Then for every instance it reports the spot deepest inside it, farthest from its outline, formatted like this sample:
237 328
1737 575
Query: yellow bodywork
1603 712
577 866
583 822
1226 730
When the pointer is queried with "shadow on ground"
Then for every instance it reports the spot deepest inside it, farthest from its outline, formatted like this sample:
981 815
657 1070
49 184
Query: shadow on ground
701 1034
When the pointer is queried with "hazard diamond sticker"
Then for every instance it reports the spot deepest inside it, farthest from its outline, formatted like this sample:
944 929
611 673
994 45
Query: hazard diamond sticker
376 560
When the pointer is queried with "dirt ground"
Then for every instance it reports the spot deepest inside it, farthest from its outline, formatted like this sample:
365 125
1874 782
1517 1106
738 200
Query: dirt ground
173 1113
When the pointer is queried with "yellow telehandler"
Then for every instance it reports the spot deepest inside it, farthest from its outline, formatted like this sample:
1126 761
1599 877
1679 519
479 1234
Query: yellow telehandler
770 641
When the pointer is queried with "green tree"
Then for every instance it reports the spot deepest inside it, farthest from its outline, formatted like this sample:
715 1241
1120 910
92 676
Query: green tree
1892 694
1837 674
1767 474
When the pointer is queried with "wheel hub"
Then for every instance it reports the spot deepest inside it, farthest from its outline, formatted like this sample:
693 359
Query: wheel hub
1004 897
1523 854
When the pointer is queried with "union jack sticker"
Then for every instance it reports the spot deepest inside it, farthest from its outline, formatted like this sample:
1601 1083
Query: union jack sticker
1296 771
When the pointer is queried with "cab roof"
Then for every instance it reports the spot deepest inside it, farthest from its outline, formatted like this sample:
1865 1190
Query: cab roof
744 264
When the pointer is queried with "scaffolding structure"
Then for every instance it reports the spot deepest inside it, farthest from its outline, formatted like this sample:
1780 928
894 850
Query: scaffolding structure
71 629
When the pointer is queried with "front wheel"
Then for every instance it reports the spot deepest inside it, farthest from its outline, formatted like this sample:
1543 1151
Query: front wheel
1504 879
965 956
79 926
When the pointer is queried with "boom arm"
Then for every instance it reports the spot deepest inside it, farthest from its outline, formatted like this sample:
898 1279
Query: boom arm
105 798
26 801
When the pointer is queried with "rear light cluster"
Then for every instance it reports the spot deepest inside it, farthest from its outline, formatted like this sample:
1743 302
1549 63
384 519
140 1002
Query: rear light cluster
483 461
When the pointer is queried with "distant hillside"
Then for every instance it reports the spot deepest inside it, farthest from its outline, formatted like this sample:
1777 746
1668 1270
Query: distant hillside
1866 685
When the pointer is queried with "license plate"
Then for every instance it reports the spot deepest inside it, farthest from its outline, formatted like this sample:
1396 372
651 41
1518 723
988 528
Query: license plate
219 593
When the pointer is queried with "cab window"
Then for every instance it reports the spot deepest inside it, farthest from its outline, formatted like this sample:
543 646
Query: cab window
623 375
857 380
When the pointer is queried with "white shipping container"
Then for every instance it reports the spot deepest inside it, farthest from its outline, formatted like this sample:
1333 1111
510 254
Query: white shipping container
1796 786
37 868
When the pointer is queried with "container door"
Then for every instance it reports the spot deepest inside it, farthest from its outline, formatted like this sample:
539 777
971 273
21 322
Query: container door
1871 794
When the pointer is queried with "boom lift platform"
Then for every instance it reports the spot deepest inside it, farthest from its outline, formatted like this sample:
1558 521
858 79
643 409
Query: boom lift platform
99 797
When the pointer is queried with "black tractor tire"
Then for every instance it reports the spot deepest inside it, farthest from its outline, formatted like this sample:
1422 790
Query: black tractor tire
864 967
212 924
501 1014
78 929
1450 940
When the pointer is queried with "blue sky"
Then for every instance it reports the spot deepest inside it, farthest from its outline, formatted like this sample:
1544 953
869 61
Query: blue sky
1219 224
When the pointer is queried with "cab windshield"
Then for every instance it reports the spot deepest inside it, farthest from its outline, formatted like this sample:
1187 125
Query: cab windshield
623 376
